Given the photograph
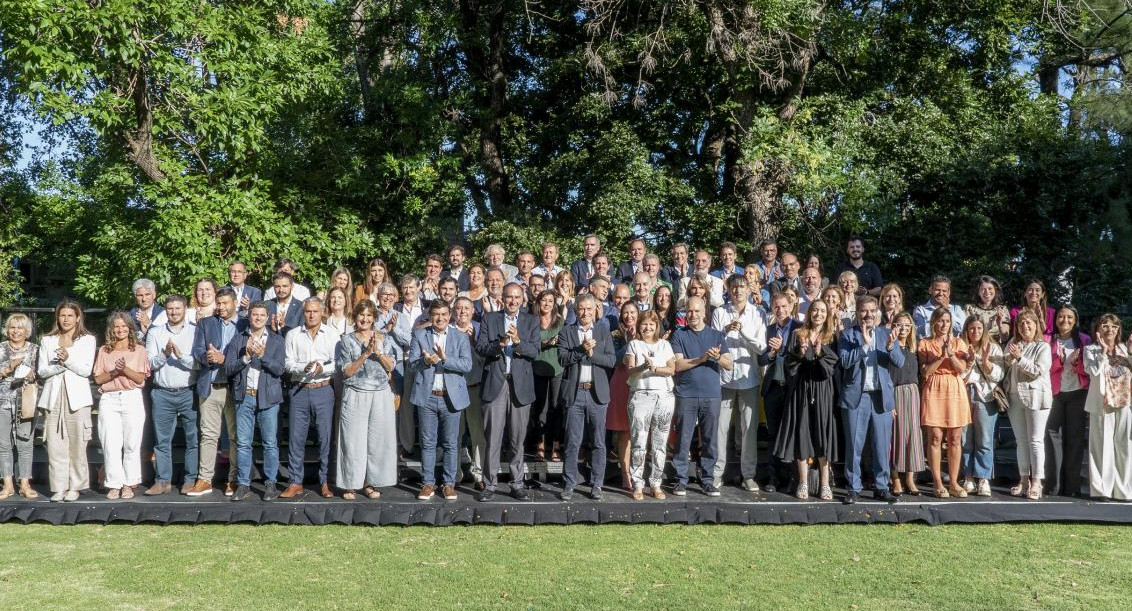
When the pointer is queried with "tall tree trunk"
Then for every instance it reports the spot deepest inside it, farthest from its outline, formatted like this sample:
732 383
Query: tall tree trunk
484 51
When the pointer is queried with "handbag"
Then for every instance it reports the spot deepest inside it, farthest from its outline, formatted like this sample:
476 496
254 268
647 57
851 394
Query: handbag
1000 399
29 396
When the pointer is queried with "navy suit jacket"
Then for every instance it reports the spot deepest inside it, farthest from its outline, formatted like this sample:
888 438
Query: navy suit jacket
269 391
851 358
625 272
572 358
462 282
210 331
154 311
253 294
578 270
492 330
457 361
294 316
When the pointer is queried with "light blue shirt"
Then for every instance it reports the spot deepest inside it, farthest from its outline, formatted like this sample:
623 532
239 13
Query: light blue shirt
170 371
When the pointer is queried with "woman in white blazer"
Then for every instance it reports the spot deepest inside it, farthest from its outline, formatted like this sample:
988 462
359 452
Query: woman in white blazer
1027 382
66 357
1110 415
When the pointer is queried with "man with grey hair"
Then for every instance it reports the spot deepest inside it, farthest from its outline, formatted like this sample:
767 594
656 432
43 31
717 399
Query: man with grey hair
495 257
146 313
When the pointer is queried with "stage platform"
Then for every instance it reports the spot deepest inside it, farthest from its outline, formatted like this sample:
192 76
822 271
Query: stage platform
399 506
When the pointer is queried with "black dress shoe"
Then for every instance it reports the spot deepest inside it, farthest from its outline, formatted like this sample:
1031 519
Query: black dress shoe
886 496
520 494
771 485
487 495
852 498
566 495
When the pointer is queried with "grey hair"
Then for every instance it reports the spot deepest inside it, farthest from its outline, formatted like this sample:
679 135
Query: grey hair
143 283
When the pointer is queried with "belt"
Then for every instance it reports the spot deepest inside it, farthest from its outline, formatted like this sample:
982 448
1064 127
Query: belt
251 392
473 385
314 385
438 393
181 389
585 385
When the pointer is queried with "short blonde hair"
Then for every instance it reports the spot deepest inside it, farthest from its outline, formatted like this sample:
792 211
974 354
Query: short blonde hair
23 321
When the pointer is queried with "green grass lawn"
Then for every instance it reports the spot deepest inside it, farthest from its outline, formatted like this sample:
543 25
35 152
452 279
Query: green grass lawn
1001 567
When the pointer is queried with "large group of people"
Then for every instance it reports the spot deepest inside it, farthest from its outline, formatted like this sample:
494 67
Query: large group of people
597 363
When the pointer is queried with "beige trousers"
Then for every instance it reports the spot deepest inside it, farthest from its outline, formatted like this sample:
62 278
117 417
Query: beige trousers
67 434
216 410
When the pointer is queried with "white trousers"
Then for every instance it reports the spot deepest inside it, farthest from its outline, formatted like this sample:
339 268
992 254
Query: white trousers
121 421
1110 454
1030 433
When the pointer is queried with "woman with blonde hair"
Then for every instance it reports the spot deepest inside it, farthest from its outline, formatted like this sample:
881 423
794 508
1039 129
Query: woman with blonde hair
834 297
944 407
17 369
340 278
907 437
1030 393
891 303
808 430
1109 405
984 372
66 357
120 370
651 364
336 310
202 304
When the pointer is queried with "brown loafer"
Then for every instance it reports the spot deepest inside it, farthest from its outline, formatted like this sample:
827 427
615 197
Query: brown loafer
325 492
292 491
158 488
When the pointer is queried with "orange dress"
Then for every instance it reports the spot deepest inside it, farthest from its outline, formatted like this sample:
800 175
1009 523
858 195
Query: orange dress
943 395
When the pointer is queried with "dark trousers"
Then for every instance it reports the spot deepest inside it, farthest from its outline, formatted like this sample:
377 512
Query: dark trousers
439 424
309 406
585 413
691 411
774 402
1067 438
504 414
169 408
546 424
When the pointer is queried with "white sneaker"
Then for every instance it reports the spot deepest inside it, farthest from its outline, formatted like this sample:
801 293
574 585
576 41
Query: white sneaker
58 496
71 496
969 485
717 482
984 488
750 485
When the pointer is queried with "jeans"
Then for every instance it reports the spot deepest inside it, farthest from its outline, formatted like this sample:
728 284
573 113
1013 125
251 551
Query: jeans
169 408
978 445
248 417
691 411
438 416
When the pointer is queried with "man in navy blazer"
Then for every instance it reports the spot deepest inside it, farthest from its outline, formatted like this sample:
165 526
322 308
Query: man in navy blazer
440 355
583 269
865 353
636 263
285 311
216 406
509 342
254 362
246 294
585 350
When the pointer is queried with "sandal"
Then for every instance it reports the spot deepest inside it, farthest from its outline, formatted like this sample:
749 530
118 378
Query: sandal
803 492
28 492
658 494
349 495
1022 488
638 494
6 493
941 493
127 492
371 492
1035 492
113 494
958 492
826 493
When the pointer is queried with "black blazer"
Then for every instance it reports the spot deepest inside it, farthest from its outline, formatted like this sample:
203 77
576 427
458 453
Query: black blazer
572 357
294 316
253 294
579 269
625 272
462 282
492 331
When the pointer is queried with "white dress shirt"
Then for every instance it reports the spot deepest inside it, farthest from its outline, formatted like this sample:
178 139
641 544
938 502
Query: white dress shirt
743 345
586 373
303 349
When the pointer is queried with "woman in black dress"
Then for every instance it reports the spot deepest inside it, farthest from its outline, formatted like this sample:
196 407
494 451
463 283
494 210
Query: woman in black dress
808 429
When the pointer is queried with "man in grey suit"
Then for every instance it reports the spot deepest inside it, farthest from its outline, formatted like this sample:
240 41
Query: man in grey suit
440 355
585 350
508 341
865 352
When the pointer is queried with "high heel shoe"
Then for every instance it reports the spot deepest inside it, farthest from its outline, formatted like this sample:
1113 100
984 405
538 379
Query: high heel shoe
1022 488
1035 491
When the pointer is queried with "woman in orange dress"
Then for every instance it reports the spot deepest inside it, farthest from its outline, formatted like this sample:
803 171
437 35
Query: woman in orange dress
944 407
